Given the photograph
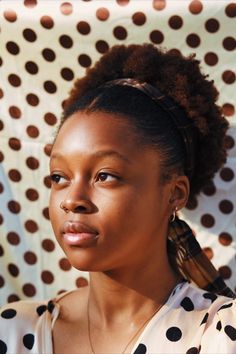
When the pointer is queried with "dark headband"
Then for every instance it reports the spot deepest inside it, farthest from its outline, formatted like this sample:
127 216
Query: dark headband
175 112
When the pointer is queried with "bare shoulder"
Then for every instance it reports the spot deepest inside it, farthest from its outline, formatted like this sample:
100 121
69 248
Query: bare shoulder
70 329
73 304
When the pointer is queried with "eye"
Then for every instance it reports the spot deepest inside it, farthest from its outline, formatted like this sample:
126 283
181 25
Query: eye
105 177
56 178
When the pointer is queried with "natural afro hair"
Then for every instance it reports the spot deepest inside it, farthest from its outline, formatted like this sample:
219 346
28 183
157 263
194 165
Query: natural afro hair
178 77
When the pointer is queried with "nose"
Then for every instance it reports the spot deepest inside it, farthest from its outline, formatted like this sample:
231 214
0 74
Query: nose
78 206
77 203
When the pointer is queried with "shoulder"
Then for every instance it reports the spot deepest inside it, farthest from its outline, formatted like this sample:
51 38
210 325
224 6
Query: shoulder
191 298
73 305
24 311
20 324
218 325
189 304
28 312
199 319
212 305
220 329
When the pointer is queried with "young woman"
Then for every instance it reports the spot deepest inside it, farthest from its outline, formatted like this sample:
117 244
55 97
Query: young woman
140 136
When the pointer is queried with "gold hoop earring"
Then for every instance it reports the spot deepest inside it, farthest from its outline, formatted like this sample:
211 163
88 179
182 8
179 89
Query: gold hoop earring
173 216
64 208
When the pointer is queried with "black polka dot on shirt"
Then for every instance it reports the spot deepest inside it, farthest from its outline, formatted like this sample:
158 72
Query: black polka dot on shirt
225 306
205 319
173 334
219 326
28 340
50 306
141 349
187 304
10 313
231 332
210 296
41 309
3 347
193 350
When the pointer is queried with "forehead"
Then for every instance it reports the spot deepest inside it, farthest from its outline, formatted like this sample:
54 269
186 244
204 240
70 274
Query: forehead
86 134
90 129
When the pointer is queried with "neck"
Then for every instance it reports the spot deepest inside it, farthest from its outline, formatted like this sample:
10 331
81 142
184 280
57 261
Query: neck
131 293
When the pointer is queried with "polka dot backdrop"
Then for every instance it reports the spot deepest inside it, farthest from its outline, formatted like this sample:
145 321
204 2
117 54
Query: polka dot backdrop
44 46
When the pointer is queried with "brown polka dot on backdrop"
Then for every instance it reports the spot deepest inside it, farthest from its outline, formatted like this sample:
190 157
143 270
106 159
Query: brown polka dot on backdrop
30 257
31 67
54 45
14 175
47 181
13 298
32 99
66 8
32 163
83 27
102 14
48 54
13 270
209 189
156 37
208 252
47 22
66 41
13 238
12 48
47 277
102 46
32 194
175 22
48 245
64 264
30 3
29 290
195 7
139 18
120 32
2 281
14 112
10 15
29 35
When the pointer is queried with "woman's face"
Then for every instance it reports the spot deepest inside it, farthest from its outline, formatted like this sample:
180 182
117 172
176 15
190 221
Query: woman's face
116 209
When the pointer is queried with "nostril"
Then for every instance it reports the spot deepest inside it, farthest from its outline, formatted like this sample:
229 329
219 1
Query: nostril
83 206
80 209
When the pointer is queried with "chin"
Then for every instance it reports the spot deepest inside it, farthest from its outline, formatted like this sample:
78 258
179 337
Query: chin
85 264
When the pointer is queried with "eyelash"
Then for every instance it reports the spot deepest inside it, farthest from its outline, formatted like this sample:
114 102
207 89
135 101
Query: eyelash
106 174
55 178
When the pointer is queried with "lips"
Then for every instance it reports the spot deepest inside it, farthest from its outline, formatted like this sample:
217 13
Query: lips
78 227
79 234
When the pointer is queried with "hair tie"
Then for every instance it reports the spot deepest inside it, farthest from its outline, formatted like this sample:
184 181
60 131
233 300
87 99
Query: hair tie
187 258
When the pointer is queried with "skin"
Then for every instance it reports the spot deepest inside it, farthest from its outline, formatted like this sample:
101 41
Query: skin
105 179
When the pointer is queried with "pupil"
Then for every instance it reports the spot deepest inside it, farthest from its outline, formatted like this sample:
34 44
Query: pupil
103 177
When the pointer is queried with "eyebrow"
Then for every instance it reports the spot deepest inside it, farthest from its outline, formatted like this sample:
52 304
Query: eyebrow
98 154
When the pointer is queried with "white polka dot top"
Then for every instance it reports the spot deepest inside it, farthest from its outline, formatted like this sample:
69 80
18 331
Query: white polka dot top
192 321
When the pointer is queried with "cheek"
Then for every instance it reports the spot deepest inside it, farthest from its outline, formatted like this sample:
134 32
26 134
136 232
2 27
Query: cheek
54 210
131 212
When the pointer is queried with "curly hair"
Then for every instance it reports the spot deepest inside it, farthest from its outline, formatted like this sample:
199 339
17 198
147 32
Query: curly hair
176 76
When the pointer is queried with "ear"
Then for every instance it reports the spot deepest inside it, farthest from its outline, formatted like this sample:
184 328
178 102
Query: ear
180 189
